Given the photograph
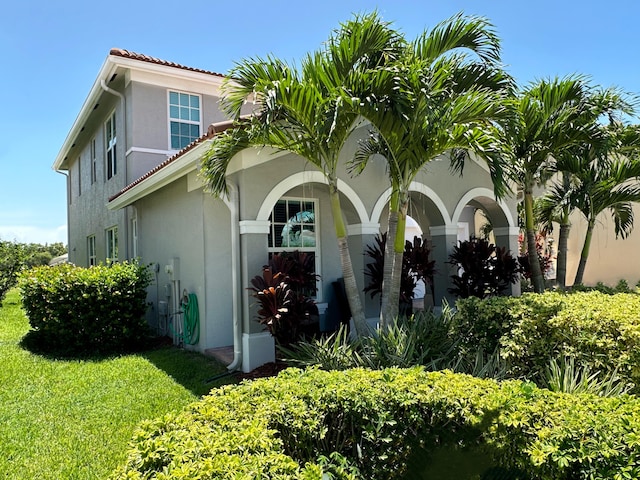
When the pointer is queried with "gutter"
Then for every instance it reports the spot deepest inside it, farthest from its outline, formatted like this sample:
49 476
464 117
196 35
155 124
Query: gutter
235 277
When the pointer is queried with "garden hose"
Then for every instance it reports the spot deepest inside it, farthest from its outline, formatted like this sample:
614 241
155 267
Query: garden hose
190 320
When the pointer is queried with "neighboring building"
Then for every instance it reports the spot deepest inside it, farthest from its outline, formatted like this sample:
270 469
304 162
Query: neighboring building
132 160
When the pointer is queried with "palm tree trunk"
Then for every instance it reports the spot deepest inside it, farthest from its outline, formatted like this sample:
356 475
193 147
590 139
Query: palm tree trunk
398 252
389 260
584 254
537 279
563 247
350 285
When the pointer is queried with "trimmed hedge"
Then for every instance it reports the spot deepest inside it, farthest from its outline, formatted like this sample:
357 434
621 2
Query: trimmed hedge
76 310
600 330
363 424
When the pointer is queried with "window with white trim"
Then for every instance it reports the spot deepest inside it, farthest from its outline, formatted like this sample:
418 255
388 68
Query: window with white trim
91 250
294 227
110 144
112 244
94 162
184 119
134 237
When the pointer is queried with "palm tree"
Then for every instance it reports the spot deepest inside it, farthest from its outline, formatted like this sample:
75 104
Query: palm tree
546 123
303 111
609 181
443 94
556 206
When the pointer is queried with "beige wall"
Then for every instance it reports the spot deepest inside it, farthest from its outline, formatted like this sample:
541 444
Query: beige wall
610 259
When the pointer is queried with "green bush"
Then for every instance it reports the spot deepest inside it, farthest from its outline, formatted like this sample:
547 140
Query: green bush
365 424
11 262
598 330
87 310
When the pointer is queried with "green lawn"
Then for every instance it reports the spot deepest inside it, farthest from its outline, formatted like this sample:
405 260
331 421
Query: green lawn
72 419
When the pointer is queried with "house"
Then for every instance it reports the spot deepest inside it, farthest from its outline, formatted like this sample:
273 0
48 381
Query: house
132 158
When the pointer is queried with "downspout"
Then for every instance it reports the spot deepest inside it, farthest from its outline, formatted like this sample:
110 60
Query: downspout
110 90
236 278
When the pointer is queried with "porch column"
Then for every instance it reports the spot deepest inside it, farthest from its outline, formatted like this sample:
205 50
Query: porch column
257 344
443 239
362 235
507 237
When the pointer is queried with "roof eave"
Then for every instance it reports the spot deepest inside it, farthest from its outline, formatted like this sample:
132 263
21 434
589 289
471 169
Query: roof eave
182 166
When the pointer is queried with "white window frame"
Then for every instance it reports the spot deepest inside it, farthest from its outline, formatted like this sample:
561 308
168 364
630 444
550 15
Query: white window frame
94 162
110 142
315 249
111 237
134 237
91 251
180 120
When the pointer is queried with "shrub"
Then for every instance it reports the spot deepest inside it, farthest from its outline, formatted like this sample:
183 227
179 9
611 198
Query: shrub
11 262
85 310
365 424
599 330
484 269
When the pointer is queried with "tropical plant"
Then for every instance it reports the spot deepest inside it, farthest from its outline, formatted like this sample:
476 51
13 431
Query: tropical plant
284 294
483 269
416 266
565 376
443 94
304 111
547 121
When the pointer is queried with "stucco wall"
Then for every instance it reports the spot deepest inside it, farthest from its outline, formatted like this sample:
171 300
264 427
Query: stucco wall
194 228
610 259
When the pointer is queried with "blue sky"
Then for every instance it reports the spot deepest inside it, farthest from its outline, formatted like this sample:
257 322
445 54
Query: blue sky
53 50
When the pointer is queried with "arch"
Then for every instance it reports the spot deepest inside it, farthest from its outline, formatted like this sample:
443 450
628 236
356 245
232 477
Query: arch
473 194
414 187
301 178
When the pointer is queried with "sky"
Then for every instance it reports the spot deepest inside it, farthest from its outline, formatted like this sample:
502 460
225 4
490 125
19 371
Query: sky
52 52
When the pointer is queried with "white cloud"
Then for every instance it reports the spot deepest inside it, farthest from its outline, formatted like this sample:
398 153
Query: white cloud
31 234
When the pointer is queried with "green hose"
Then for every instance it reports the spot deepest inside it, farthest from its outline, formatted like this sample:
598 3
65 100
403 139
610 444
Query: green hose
190 320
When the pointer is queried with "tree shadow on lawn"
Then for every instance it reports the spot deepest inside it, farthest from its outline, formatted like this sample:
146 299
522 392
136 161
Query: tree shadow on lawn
194 371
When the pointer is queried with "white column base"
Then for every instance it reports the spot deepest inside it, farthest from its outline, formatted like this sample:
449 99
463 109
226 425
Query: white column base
257 349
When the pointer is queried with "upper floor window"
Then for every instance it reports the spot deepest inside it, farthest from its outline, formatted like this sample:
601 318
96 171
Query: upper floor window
91 250
110 143
112 244
184 119
94 162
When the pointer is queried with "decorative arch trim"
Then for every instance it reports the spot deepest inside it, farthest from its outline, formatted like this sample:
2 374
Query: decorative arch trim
481 192
414 187
301 178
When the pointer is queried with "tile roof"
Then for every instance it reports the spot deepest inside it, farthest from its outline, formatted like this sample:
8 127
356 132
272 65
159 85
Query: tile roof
213 130
119 52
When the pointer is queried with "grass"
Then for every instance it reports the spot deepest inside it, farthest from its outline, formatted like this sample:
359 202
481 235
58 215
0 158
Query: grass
73 419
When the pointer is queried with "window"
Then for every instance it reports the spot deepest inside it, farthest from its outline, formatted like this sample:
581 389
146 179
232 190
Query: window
112 244
110 142
184 119
294 227
134 237
94 162
91 250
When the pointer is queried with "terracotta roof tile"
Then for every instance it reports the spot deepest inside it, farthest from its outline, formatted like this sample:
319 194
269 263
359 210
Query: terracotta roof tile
146 58
212 131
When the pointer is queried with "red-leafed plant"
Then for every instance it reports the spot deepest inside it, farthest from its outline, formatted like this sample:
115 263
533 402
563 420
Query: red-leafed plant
284 293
